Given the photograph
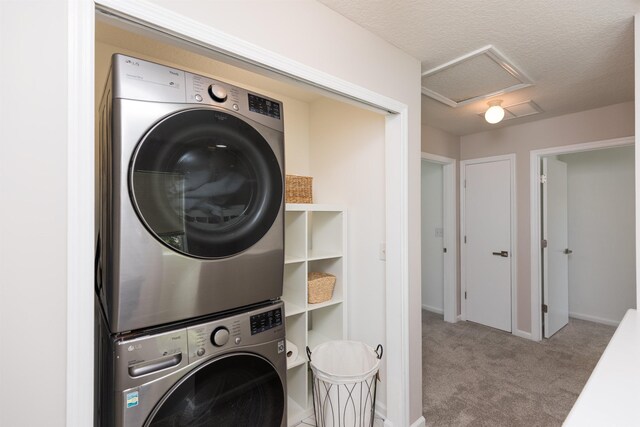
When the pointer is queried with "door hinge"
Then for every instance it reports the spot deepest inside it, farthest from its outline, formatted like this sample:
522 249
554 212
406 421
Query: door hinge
465 183
545 308
543 179
444 250
465 239
465 294
544 243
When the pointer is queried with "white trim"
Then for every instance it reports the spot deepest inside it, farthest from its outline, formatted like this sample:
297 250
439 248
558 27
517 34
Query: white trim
450 267
514 238
636 26
594 319
420 422
396 164
153 16
437 159
397 271
431 309
80 213
496 56
535 220
522 334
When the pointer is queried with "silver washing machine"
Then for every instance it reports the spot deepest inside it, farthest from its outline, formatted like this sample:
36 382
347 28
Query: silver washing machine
225 372
190 211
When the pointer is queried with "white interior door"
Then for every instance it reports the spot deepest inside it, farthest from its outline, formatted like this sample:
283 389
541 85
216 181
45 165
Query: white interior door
555 256
432 237
487 228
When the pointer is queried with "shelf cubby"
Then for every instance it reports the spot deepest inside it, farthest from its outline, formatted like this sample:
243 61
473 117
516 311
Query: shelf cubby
315 240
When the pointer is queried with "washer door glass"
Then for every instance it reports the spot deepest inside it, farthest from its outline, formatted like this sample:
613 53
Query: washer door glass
239 390
206 183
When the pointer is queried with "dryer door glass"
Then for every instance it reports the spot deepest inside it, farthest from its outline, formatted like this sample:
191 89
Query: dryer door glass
206 183
239 390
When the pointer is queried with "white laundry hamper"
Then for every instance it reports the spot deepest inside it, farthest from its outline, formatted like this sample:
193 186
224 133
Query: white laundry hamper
345 374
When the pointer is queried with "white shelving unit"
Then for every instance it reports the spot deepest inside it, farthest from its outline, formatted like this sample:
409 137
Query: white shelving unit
315 240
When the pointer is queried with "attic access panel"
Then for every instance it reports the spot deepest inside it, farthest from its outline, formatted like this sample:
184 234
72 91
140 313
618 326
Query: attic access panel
521 109
478 75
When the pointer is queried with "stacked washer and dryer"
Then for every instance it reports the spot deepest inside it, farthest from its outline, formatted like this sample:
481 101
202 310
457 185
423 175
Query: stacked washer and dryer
190 252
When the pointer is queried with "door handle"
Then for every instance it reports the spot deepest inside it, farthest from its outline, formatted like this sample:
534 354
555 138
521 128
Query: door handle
503 254
568 251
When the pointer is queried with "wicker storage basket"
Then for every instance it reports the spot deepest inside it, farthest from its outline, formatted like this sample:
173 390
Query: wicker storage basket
298 189
320 287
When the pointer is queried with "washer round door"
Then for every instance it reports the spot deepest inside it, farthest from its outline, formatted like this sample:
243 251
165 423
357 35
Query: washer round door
206 183
237 390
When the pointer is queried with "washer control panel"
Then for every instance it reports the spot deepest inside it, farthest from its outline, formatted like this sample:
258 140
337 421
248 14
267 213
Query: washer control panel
265 321
220 336
236 331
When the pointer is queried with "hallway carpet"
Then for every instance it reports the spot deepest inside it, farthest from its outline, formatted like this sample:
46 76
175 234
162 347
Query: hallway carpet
474 375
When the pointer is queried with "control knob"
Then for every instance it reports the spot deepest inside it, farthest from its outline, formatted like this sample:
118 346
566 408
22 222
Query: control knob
220 336
218 93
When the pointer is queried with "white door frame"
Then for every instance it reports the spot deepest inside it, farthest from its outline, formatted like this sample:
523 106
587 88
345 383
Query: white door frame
536 243
514 240
450 233
81 175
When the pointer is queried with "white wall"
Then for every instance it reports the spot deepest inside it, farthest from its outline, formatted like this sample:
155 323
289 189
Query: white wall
614 121
347 165
33 218
601 205
432 240
439 142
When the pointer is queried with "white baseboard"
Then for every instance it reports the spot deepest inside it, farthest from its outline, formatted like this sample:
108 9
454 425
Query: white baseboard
381 410
523 334
594 319
420 422
381 413
459 317
432 309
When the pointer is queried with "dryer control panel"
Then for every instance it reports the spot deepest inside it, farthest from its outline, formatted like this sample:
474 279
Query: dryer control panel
207 91
147 81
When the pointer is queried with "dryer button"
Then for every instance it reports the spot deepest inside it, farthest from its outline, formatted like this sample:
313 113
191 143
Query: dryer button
200 352
198 98
238 340
220 336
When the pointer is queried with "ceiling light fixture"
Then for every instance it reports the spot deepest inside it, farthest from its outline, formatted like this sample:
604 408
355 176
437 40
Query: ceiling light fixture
495 113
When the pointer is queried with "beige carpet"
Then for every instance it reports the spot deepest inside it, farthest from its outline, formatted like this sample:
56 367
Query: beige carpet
474 375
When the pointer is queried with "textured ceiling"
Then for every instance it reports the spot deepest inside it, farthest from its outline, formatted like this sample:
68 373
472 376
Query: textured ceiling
579 53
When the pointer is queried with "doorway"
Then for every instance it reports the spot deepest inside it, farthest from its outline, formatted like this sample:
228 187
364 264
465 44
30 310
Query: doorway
438 236
381 273
583 253
487 205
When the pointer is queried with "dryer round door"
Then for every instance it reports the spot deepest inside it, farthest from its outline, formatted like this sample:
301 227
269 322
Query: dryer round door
206 183
237 390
